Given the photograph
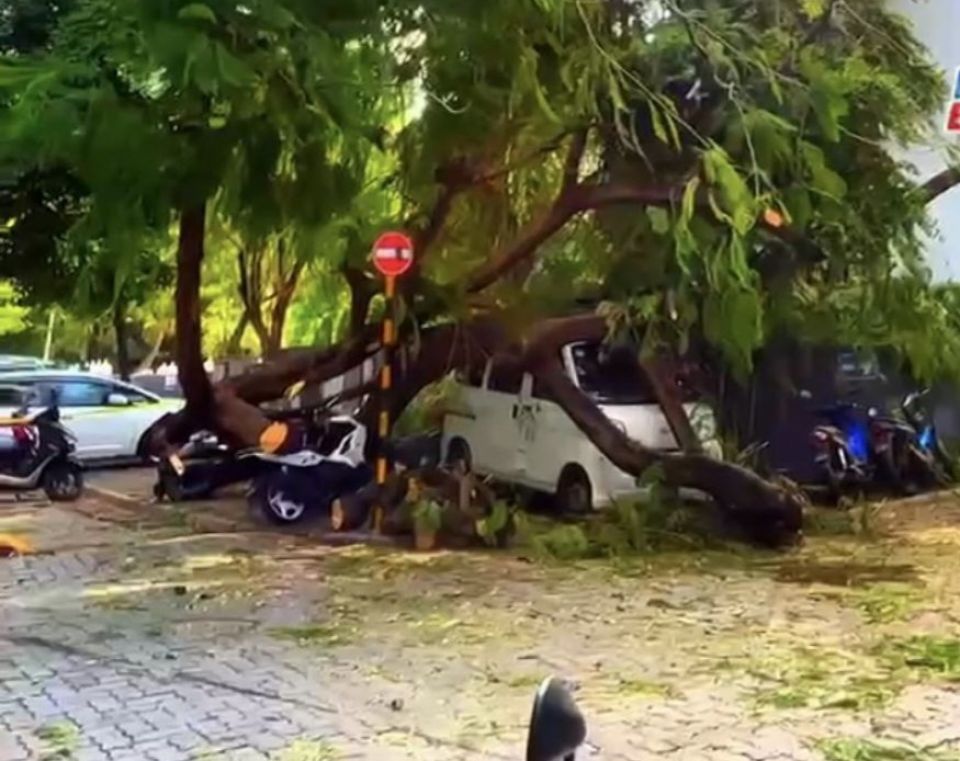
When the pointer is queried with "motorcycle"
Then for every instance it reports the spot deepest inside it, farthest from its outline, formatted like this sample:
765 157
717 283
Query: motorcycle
206 464
291 486
37 452
842 449
917 453
557 728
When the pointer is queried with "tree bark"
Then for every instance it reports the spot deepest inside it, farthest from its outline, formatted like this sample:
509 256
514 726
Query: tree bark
361 294
940 183
189 347
147 363
770 513
120 336
235 343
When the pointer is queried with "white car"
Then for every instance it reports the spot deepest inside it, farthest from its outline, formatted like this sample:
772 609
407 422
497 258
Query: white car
504 427
108 417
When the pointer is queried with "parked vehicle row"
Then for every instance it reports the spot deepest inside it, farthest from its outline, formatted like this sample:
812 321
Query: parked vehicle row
856 448
108 417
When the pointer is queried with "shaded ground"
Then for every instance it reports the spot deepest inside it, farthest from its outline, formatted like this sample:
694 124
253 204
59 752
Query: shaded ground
134 639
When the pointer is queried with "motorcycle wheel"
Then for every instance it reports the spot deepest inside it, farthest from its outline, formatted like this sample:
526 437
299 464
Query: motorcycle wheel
926 472
898 467
833 482
169 485
62 482
280 506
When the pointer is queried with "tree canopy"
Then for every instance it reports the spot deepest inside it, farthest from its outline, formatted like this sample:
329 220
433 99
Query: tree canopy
714 171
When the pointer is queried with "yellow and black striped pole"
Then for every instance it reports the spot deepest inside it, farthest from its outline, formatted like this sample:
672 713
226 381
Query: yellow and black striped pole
392 256
389 341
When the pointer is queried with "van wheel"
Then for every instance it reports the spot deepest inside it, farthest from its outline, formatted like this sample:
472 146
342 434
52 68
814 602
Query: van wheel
458 457
574 495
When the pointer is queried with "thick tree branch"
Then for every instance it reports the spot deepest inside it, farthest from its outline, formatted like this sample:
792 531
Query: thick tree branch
940 183
572 200
571 166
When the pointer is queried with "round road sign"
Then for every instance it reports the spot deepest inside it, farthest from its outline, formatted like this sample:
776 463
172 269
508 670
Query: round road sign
393 254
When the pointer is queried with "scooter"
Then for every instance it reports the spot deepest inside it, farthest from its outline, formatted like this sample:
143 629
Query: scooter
37 452
289 487
557 728
929 454
842 449
205 464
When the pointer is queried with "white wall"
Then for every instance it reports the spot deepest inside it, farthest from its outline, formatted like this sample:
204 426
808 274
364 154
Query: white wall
937 24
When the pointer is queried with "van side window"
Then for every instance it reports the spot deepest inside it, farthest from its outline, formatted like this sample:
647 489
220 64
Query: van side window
473 375
506 376
611 376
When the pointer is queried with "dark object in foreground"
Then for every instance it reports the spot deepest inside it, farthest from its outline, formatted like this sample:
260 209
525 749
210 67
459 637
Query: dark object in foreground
557 728
37 452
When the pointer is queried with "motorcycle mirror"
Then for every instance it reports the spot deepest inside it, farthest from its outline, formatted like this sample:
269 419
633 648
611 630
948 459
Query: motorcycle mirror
557 728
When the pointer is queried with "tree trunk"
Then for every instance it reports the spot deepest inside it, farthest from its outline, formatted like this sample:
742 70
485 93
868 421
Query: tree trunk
189 347
772 514
361 294
147 364
121 338
235 343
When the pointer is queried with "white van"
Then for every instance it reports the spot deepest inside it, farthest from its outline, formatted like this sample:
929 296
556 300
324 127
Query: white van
503 426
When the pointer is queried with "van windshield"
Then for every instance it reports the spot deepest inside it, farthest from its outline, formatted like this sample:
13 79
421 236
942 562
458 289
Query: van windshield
611 376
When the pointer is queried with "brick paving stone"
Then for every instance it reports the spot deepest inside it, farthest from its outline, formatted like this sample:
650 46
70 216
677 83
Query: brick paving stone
143 687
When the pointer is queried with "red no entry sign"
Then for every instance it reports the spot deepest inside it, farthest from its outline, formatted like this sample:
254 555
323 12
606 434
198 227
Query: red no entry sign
393 254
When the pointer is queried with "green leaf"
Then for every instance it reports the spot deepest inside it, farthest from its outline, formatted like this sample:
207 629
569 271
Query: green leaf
197 12
735 196
233 70
659 129
798 204
689 205
659 219
814 9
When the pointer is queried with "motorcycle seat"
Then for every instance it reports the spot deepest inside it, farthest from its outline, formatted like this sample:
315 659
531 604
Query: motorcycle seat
832 430
9 422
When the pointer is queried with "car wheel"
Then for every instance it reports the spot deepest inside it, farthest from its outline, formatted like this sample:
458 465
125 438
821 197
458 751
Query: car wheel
459 458
62 482
574 495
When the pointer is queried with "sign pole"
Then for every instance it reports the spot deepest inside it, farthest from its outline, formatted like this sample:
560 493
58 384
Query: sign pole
389 341
393 257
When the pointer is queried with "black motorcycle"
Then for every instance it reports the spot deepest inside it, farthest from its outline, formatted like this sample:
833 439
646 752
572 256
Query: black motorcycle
921 455
206 464
37 452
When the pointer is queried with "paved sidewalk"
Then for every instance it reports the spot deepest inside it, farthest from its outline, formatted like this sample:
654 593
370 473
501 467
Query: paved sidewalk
146 643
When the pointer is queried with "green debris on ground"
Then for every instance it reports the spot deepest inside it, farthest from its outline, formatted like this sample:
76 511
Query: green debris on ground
888 603
309 750
630 687
311 635
925 656
857 749
60 740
